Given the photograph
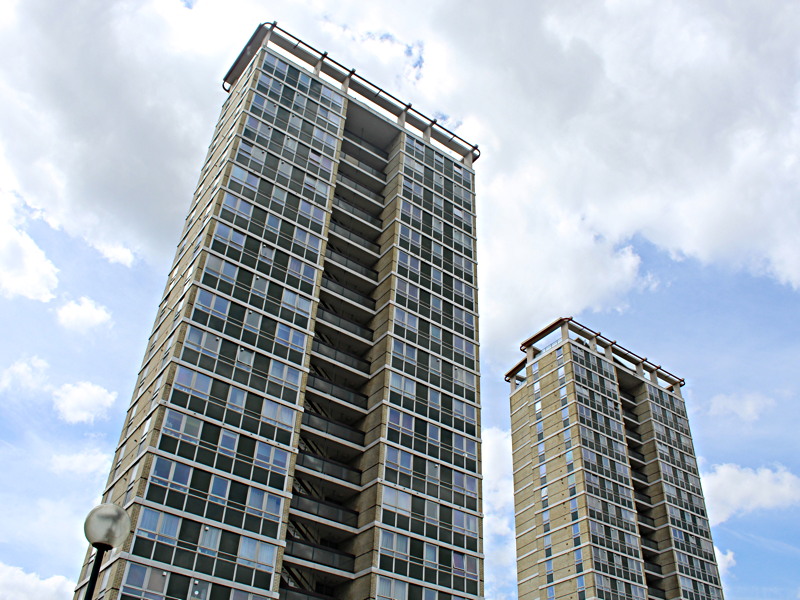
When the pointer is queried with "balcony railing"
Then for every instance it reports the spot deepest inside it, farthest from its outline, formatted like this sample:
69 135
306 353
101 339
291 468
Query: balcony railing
636 455
652 568
320 555
361 189
345 324
337 391
355 211
632 416
647 521
335 429
633 435
362 142
656 593
352 265
291 593
325 510
648 543
329 467
339 356
364 301
354 237
379 175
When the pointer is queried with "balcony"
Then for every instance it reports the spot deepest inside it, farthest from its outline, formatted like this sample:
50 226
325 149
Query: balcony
363 144
328 388
331 428
639 478
630 416
365 272
349 326
357 212
328 467
325 510
363 301
656 593
291 593
342 358
355 238
652 568
320 556
645 522
362 172
650 544
633 435
636 456
373 198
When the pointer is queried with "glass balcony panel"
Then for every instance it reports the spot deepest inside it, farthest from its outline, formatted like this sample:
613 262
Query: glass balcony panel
329 467
354 237
361 189
352 265
337 391
380 175
364 301
365 144
339 356
325 510
355 211
320 555
333 319
341 431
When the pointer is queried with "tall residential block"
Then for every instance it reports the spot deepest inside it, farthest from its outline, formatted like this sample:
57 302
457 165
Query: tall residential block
607 493
306 420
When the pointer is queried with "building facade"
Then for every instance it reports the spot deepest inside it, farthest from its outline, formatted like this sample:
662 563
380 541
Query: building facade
306 419
607 493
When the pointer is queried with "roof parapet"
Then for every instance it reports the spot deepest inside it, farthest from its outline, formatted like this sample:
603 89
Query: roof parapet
352 84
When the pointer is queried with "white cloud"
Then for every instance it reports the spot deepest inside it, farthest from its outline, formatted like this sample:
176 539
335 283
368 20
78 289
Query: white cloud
16 584
116 253
82 402
85 462
725 561
83 314
748 407
733 490
25 270
26 373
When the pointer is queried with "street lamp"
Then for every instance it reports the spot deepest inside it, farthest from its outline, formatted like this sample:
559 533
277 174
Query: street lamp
106 527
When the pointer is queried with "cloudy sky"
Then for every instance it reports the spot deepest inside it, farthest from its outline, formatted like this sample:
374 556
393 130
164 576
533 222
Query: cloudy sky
639 172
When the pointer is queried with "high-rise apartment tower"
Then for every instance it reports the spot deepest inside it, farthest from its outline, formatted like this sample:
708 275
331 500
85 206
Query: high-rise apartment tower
606 489
306 420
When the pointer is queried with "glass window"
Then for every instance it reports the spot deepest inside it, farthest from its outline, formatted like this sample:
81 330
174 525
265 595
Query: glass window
408 290
182 426
397 500
256 554
171 474
160 526
406 319
271 458
392 589
398 460
221 269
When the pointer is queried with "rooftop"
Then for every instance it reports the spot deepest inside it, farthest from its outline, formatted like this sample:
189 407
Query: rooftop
569 328
355 86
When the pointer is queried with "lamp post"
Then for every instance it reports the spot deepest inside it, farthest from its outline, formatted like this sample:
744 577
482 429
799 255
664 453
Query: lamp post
106 527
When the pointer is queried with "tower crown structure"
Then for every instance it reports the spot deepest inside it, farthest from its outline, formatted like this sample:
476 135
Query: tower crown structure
607 492
306 420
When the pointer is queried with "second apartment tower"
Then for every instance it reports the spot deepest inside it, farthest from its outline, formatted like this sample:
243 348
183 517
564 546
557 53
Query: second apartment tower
306 420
